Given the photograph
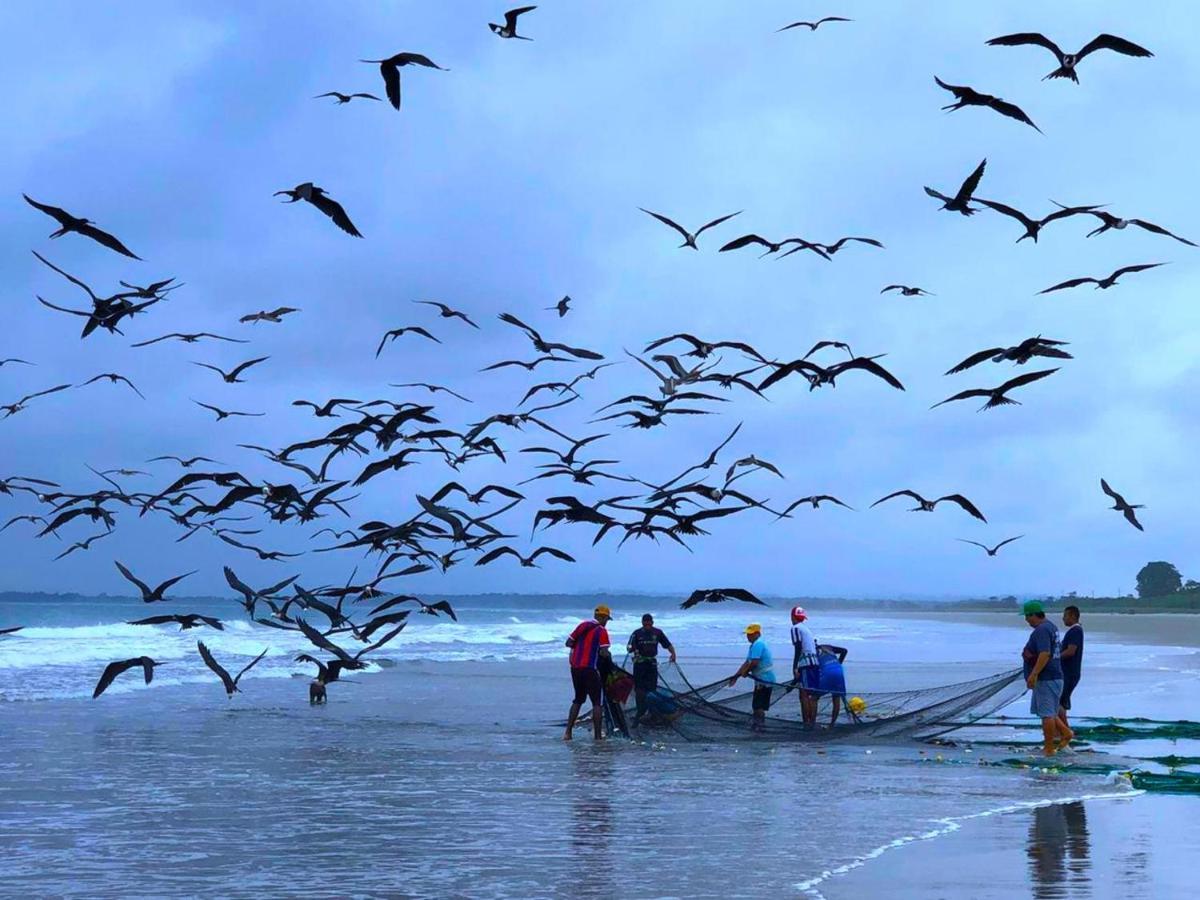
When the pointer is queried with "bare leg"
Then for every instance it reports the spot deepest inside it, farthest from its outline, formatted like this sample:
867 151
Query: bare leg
597 724
1049 734
571 717
808 707
837 708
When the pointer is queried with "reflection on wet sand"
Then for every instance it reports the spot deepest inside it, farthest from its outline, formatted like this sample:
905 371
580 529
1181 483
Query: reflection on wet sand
591 809
1059 851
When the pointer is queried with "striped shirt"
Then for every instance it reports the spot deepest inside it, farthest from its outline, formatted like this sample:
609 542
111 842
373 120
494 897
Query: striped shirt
805 645
586 641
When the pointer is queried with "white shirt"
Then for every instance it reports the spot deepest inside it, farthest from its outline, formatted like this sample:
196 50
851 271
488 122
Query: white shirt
806 641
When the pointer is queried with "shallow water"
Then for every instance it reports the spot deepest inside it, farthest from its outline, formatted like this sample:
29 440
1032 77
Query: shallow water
440 777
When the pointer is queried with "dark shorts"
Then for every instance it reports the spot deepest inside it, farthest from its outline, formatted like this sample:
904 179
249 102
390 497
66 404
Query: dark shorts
587 685
761 701
1068 686
810 678
645 675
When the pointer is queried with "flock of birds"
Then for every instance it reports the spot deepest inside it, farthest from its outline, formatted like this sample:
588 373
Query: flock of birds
453 523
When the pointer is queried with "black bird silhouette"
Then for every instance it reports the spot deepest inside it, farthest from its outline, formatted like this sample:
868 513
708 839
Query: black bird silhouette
747 239
231 684
543 346
960 202
251 596
815 502
1108 222
264 555
327 673
225 414
433 389
509 28
529 561
326 409
193 338
1068 61
390 70
231 377
183 620
11 409
1020 354
689 238
185 463
1032 226
906 290
821 345
563 306
274 315
719 595
818 375
344 98
113 669
85 544
1121 506
924 505
1101 283
322 201
813 26
398 332
991 551
966 96
996 396
446 312
832 249
68 223
149 595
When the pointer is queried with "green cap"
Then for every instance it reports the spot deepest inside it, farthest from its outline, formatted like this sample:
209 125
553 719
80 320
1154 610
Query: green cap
1033 608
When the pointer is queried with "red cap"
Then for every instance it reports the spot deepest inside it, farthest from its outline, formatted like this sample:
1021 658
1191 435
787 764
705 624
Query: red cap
798 614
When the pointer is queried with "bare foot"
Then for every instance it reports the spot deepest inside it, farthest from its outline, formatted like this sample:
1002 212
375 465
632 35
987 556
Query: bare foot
567 736
1049 750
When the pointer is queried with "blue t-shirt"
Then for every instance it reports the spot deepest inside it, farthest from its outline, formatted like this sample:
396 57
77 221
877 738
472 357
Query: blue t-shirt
1073 665
1044 639
765 670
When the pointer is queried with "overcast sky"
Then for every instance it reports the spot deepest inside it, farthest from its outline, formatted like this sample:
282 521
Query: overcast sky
516 177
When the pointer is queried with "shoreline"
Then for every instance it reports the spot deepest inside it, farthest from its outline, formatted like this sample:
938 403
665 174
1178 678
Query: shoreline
1057 848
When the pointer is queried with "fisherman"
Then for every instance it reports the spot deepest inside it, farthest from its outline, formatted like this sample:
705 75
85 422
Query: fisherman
588 642
761 667
644 644
1044 675
806 665
832 677
1072 663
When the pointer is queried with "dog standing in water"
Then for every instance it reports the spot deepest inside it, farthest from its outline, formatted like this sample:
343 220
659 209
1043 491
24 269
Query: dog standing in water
316 691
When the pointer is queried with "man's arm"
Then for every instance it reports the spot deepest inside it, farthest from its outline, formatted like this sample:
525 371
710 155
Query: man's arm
1039 664
662 639
742 672
1068 651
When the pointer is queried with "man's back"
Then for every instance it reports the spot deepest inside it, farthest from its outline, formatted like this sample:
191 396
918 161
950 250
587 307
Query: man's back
586 640
1073 665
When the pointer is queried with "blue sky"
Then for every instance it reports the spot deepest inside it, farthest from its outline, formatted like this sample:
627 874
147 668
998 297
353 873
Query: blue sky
515 177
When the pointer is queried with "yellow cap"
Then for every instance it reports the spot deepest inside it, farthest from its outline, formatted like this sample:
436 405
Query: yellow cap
753 628
603 610
857 705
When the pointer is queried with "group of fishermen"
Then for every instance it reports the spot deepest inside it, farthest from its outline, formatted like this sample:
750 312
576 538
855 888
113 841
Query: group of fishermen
816 668
1052 668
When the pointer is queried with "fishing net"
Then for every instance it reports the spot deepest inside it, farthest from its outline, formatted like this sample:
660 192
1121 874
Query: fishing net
715 712
1174 783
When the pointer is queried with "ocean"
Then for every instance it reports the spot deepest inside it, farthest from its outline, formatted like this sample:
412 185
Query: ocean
440 770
